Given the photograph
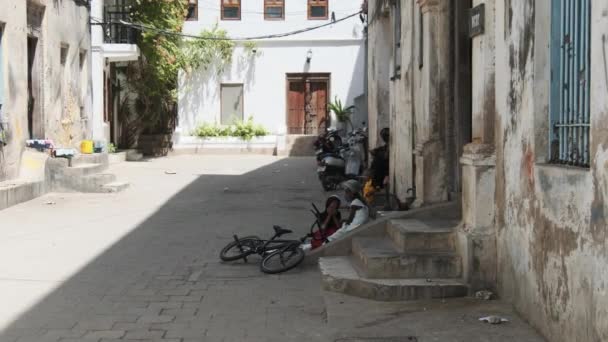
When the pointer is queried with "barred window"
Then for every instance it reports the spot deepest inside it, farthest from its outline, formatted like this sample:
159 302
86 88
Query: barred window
570 75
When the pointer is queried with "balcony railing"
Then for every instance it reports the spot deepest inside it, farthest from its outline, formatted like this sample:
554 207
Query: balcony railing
116 33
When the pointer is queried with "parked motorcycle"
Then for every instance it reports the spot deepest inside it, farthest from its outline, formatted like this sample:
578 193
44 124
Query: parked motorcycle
327 142
346 163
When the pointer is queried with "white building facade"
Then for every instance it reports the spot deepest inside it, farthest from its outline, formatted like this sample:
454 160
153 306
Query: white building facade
282 83
112 46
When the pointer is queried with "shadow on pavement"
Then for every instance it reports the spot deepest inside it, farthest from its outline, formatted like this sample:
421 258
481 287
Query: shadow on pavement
164 281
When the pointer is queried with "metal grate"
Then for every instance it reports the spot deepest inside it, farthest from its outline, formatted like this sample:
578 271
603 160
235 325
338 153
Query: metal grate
115 32
570 61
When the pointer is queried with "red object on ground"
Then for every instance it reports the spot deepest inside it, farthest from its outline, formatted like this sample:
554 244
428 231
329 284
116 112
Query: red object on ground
318 239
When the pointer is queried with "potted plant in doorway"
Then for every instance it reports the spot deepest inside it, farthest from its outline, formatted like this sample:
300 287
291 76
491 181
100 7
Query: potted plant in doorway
342 113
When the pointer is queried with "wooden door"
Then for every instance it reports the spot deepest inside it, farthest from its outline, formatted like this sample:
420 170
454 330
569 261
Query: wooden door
307 96
296 94
317 106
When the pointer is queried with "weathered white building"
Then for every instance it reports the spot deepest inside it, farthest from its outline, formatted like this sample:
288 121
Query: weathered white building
45 83
505 107
113 46
283 83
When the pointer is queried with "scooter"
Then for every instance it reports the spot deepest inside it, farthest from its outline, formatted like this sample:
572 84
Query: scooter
327 142
347 163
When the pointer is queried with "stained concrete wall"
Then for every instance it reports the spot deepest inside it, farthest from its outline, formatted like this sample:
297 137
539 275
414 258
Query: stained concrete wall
65 92
419 98
551 220
378 69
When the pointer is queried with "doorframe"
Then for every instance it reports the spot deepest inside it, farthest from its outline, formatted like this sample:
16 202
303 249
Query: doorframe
35 22
304 76
462 95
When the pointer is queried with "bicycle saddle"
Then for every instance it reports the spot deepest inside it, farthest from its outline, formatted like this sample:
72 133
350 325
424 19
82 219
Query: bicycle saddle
280 231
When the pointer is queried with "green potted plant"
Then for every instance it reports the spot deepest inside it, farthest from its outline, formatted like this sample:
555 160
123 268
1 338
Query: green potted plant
342 113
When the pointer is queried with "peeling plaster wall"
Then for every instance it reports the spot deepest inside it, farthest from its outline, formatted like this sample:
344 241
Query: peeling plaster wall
551 220
13 18
66 98
401 108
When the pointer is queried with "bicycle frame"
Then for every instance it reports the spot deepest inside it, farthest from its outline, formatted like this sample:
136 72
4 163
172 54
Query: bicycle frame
265 247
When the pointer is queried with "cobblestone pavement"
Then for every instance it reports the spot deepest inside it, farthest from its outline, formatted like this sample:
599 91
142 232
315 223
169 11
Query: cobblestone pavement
143 265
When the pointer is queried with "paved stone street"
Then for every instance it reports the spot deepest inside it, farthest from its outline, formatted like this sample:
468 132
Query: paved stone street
143 265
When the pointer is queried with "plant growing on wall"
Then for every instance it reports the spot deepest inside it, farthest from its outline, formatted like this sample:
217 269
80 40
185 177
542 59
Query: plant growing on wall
154 77
342 113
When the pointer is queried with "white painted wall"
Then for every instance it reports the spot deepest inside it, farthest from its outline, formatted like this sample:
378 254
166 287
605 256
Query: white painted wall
337 49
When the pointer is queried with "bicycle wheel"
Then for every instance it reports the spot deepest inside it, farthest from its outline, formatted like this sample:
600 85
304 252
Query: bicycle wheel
283 260
232 252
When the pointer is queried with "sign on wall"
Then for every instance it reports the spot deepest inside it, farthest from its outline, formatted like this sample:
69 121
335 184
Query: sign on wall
477 19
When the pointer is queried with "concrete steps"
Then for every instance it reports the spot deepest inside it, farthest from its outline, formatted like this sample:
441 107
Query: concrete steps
418 235
115 187
414 259
87 174
340 275
81 170
379 258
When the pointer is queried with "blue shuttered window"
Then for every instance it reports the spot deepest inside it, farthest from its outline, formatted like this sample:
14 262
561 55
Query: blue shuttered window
570 75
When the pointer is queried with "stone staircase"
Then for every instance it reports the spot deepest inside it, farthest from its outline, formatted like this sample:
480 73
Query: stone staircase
40 174
415 258
87 173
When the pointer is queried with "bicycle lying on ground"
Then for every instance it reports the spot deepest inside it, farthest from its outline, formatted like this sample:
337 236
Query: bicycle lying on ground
277 255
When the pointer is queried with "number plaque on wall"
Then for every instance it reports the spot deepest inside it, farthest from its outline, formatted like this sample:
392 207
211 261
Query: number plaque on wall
477 20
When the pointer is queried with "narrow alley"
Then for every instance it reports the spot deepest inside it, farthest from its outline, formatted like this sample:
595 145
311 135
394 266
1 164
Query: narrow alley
143 265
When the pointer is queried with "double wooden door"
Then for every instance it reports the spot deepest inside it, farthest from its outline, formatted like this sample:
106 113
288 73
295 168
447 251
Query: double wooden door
307 98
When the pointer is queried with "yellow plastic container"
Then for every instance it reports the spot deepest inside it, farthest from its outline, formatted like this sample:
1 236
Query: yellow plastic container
86 147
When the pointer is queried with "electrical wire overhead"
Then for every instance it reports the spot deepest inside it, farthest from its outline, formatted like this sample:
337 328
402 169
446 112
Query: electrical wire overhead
142 27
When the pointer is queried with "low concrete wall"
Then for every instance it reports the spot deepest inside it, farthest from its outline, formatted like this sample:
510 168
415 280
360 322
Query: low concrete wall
39 174
18 191
224 145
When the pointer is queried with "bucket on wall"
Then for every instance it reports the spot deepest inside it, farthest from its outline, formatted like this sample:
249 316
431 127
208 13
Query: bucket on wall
98 146
86 147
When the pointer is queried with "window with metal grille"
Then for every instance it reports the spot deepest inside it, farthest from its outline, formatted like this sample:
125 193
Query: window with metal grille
192 14
274 9
318 9
570 75
231 9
